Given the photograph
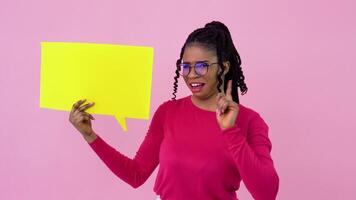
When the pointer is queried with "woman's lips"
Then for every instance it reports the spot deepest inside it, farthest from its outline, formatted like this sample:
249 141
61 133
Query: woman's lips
196 87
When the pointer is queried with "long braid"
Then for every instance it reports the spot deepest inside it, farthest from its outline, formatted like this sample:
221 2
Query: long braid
175 84
221 71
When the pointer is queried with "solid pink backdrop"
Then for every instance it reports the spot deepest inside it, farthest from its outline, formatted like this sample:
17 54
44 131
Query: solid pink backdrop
297 57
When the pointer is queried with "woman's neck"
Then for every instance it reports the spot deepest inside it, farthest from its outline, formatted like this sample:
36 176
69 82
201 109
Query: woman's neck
205 104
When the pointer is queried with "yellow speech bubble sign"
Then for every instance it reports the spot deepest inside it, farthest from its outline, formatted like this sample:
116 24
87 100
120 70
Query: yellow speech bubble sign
116 77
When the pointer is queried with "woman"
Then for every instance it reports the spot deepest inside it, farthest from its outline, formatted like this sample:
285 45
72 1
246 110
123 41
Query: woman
205 143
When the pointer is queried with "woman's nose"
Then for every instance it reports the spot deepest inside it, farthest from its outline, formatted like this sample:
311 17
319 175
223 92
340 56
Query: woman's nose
192 73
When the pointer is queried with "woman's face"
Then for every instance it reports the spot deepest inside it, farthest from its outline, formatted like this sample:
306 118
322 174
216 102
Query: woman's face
205 86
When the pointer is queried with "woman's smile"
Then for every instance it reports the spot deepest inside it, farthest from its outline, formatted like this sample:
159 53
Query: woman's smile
196 86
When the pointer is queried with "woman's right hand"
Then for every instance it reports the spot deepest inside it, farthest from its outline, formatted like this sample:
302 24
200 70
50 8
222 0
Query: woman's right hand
80 119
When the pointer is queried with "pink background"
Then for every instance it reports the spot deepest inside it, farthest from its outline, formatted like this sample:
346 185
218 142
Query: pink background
297 58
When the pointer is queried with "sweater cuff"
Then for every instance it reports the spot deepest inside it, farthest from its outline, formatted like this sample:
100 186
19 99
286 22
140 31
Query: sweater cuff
96 143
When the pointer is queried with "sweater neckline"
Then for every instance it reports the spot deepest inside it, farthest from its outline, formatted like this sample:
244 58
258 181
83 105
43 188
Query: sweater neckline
190 101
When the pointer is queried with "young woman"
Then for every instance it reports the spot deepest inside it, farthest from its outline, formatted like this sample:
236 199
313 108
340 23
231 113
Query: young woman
205 143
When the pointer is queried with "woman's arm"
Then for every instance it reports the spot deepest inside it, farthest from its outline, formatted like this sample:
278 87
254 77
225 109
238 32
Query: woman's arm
137 170
252 157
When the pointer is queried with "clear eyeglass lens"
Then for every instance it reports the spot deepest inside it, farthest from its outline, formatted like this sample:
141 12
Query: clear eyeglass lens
200 68
184 68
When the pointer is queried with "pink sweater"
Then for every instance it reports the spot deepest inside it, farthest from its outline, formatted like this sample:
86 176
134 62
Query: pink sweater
198 161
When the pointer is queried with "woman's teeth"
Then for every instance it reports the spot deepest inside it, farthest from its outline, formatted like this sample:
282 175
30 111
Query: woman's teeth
196 84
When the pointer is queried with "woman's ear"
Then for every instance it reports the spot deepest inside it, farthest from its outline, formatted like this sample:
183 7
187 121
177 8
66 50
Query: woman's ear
226 66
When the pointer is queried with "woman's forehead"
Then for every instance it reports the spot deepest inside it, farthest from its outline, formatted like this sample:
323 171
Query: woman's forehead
195 53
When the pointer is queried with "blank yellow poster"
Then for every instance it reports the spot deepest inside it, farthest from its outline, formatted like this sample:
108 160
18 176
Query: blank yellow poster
116 77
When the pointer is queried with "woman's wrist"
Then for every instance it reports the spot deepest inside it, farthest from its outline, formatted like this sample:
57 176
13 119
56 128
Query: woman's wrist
91 137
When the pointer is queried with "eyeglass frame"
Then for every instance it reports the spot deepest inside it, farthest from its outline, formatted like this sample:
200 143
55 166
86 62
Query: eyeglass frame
205 61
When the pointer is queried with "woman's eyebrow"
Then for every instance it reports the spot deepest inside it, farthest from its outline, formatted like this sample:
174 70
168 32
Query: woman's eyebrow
199 61
202 61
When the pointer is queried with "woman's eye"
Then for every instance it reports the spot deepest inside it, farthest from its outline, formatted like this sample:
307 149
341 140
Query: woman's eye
202 65
185 66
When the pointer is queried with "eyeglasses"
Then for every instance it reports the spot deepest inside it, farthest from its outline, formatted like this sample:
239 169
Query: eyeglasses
200 68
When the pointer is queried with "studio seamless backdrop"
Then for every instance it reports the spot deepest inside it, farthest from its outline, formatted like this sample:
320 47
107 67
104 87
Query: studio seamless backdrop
297 58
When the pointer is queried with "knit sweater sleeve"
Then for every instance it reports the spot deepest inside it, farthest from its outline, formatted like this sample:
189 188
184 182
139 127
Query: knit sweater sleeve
137 170
251 154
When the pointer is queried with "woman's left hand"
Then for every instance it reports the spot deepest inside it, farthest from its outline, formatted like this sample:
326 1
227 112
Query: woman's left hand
226 110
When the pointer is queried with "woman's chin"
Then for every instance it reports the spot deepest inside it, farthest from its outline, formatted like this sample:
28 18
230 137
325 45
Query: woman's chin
200 95
203 95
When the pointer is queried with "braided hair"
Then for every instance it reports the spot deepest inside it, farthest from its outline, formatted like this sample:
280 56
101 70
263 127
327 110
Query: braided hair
216 36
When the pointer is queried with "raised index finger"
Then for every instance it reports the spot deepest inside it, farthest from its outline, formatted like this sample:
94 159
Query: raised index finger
228 89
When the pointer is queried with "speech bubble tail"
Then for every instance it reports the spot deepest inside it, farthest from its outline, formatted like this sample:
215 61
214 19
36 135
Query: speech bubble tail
122 122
